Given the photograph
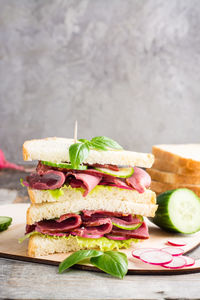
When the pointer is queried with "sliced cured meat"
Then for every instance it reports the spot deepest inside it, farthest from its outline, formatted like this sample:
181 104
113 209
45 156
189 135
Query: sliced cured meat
41 168
50 180
99 226
140 180
139 233
87 181
114 181
65 216
71 222
89 213
114 217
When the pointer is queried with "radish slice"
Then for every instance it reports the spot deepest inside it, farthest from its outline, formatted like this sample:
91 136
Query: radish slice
116 237
178 262
189 261
173 251
137 252
156 257
176 243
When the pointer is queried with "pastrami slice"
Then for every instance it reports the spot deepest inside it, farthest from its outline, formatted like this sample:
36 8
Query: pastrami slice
140 180
50 180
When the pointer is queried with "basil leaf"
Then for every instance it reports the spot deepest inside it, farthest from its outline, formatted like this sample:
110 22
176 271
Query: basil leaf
76 257
78 153
112 262
83 141
105 141
97 146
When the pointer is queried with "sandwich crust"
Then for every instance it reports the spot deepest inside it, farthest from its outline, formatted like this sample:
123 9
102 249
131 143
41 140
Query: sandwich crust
161 165
172 178
161 187
185 155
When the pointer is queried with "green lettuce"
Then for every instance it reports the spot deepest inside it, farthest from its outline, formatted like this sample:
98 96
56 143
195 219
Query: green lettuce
56 193
103 243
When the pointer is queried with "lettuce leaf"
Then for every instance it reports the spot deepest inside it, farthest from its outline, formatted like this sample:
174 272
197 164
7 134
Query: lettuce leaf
103 243
56 193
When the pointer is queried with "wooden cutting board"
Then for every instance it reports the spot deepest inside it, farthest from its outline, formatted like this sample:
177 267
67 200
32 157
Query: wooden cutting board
10 248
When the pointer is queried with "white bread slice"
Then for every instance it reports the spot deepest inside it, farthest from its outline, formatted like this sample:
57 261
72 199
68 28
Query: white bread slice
160 187
172 178
50 210
107 193
57 150
40 245
185 155
163 165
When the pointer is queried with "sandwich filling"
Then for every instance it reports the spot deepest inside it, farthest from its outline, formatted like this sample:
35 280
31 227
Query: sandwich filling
94 224
51 178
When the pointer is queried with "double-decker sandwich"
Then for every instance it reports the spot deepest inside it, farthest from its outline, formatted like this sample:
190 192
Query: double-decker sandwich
86 195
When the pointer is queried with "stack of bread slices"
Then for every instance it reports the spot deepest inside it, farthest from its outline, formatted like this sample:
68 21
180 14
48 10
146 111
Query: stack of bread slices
176 166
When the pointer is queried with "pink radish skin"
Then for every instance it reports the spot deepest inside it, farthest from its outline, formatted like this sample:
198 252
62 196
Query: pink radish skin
156 257
137 252
189 261
176 244
178 262
173 251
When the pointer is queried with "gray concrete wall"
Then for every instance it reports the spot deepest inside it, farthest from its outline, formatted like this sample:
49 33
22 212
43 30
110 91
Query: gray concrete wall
126 69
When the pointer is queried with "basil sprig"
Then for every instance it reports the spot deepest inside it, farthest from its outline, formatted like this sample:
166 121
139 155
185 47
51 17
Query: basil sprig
78 152
111 262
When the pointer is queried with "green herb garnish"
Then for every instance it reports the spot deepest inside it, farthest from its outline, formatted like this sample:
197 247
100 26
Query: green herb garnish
111 262
77 257
78 152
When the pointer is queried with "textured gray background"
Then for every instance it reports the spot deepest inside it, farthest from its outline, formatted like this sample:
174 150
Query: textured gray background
126 69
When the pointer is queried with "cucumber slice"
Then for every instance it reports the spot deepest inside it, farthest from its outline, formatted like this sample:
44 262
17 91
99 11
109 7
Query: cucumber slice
63 165
122 173
178 211
4 223
127 227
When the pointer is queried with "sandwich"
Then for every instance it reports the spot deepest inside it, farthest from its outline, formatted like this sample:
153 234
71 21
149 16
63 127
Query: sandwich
86 195
175 166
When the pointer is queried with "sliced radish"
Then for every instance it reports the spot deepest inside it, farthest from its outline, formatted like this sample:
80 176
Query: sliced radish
178 262
137 252
173 251
116 237
156 257
176 243
189 261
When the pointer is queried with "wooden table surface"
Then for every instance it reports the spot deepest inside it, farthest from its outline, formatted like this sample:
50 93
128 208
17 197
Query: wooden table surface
23 280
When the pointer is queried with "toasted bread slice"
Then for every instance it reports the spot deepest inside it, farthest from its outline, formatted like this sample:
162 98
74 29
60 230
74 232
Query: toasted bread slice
172 178
160 187
184 155
164 165
57 150
50 210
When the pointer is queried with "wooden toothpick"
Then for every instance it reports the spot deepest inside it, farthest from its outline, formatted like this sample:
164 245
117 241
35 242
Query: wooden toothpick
75 132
